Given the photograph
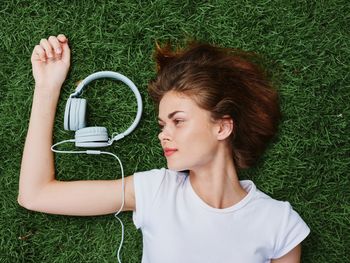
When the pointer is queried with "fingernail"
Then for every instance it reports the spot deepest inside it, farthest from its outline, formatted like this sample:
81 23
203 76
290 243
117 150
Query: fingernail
58 50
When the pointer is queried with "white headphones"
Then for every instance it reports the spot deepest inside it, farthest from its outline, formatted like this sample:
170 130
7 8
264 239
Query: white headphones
75 114
94 137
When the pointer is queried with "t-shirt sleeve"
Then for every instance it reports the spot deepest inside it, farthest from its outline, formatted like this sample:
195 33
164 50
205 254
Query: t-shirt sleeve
146 185
293 230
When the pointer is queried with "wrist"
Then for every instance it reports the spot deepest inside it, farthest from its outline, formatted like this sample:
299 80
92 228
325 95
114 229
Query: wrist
47 88
46 93
52 85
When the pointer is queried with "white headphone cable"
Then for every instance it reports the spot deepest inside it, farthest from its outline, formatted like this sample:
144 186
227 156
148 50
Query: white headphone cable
123 188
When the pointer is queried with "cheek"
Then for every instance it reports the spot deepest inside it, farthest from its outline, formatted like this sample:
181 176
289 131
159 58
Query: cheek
196 148
197 140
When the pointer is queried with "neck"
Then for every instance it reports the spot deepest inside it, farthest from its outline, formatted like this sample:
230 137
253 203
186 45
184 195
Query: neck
216 182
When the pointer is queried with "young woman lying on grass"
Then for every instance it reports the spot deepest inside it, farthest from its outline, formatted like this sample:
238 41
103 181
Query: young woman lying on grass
217 113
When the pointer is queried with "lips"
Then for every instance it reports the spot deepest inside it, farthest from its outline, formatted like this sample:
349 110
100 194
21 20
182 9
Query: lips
169 151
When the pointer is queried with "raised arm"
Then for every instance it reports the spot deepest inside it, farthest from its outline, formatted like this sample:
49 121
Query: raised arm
38 188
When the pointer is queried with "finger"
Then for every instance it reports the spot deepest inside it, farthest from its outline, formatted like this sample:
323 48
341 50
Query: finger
65 53
39 53
65 48
44 43
62 38
55 44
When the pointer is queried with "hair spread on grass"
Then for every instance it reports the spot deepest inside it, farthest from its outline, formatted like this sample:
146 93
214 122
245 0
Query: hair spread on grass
223 81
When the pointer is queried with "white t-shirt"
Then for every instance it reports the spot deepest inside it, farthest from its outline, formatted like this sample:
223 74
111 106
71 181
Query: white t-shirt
179 227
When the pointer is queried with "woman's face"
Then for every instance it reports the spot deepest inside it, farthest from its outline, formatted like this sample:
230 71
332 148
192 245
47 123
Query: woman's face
187 134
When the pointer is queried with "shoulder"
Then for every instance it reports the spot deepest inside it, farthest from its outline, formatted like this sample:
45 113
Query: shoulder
277 214
151 181
157 172
159 175
261 203
150 186
150 174
270 204
278 218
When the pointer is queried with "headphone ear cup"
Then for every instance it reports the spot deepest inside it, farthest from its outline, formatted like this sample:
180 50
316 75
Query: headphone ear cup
75 114
92 137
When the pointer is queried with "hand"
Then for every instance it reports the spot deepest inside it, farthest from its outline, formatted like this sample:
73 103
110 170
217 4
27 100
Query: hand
50 62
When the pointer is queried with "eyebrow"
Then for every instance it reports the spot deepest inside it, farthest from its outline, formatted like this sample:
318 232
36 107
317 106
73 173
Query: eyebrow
170 115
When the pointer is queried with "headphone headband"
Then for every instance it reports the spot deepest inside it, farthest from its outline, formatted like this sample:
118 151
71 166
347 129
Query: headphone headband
125 80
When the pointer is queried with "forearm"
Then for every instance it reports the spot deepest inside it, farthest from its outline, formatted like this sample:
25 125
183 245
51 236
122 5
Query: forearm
37 168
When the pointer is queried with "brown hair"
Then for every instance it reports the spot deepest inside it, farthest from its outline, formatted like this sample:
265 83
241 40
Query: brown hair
225 82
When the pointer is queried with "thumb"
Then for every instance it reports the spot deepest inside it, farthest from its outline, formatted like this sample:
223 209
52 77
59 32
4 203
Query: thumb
65 52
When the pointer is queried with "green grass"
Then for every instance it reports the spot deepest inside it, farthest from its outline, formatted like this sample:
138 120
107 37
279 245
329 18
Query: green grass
308 43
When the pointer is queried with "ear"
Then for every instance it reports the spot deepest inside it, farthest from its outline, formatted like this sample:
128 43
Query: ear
225 127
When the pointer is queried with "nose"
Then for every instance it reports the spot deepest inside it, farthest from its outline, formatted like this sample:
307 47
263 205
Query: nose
163 135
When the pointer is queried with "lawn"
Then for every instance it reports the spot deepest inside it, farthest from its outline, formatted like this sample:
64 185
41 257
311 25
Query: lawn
306 45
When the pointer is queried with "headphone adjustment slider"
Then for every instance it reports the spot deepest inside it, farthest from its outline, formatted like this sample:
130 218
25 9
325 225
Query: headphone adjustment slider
118 137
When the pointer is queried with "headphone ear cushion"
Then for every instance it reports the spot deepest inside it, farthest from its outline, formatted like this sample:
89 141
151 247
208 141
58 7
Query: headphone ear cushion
76 116
66 115
91 137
